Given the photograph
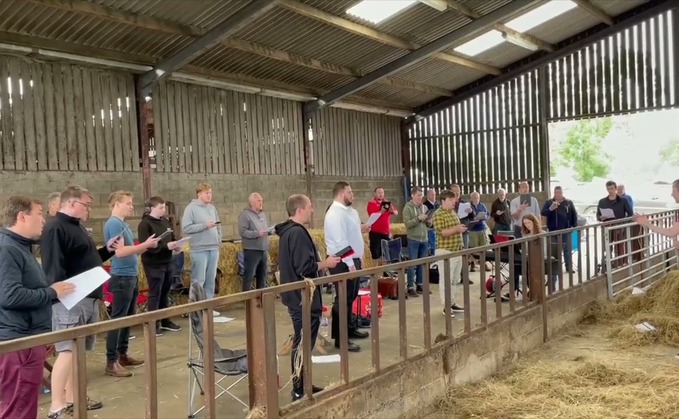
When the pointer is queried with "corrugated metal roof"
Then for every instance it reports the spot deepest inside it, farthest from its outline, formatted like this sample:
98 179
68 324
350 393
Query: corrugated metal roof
284 30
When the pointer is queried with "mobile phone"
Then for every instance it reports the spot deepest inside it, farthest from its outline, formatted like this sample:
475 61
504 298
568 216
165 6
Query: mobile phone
165 234
347 251
218 222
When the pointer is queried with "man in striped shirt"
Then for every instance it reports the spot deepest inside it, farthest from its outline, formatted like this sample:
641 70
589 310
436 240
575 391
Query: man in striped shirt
449 232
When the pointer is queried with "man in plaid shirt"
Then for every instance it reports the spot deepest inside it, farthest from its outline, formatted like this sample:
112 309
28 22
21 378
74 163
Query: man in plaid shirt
448 240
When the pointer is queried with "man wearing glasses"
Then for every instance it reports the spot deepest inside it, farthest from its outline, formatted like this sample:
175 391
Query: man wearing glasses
68 250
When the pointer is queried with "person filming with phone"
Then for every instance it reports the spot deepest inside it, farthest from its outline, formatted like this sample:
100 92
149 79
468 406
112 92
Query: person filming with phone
522 205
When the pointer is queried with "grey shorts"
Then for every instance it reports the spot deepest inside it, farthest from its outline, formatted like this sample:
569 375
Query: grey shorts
85 312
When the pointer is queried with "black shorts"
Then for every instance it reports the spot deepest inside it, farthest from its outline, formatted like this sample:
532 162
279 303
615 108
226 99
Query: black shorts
375 240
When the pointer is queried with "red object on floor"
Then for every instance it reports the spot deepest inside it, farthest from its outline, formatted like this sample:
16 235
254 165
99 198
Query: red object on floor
362 307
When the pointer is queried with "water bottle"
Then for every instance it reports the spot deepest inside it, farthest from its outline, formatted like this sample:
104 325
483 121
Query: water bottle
324 323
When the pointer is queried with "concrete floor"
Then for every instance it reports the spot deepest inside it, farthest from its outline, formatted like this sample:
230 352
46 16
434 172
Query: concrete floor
125 397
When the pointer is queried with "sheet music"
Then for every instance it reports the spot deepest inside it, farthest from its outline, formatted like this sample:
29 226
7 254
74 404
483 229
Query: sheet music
85 283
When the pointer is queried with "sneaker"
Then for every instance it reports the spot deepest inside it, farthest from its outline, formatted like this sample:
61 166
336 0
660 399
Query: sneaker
451 313
296 395
65 413
158 331
457 309
170 326
215 313
412 293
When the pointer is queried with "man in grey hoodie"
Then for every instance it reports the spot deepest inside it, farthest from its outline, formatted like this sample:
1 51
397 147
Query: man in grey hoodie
254 230
201 222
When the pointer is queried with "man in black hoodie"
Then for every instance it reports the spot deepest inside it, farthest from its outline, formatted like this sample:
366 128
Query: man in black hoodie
25 306
298 259
157 261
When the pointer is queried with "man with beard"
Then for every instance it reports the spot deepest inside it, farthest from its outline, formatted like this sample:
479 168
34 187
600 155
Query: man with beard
343 229
298 259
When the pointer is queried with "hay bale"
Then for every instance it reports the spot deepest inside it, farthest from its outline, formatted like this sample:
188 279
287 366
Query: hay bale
560 389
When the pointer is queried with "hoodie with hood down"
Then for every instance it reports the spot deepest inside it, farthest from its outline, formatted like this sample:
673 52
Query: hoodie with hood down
297 259
160 255
196 215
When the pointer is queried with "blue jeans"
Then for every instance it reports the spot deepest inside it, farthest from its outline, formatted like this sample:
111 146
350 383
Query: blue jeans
432 241
204 270
567 243
416 250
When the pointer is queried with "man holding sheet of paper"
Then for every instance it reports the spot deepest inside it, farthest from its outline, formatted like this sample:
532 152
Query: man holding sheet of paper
68 250
253 228
25 306
613 207
380 211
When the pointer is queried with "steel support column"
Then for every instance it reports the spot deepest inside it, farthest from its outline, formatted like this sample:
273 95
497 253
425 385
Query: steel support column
232 24
470 29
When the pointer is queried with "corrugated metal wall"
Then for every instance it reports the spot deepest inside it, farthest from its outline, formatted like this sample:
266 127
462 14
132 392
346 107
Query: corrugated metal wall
352 143
66 117
202 129
494 139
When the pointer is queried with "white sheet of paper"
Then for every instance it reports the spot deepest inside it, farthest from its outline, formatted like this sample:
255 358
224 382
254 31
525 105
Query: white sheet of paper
607 213
325 359
182 242
373 218
462 209
221 319
271 229
85 283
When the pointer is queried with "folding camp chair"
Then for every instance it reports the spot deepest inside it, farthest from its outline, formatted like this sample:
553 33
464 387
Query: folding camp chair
228 363
179 287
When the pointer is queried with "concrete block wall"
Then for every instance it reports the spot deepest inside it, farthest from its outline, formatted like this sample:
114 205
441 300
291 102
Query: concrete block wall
410 388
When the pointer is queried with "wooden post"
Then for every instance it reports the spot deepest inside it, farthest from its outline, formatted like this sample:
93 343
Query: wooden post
145 130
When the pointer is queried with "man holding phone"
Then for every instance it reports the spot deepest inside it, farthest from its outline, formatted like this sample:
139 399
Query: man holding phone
124 282
344 238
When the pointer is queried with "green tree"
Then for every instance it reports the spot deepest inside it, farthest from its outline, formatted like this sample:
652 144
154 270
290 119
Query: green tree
582 149
669 153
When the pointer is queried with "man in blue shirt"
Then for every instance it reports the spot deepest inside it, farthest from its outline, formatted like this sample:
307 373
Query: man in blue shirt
124 282
561 215
478 229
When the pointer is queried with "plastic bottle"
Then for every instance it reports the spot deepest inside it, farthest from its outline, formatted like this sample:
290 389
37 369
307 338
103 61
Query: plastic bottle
324 322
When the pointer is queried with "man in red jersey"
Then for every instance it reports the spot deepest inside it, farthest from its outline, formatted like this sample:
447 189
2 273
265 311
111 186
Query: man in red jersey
381 228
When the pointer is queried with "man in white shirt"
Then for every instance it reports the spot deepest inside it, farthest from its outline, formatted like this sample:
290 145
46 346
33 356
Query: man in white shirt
520 206
343 229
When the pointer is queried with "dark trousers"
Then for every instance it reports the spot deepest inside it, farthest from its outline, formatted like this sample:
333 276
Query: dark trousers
160 279
296 317
352 293
125 290
517 232
255 267
21 382
567 247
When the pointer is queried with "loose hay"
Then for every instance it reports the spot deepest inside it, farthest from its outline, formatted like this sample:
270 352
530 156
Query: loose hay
564 389
659 306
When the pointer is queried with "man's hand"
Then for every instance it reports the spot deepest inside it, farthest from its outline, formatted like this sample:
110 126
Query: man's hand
461 228
394 211
331 262
524 206
63 288
172 245
263 233
210 224
641 219
365 228
352 268
554 206
151 242
498 212
422 217
469 210
114 243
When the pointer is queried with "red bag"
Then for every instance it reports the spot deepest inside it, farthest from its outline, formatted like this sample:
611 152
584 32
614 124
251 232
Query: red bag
388 287
362 307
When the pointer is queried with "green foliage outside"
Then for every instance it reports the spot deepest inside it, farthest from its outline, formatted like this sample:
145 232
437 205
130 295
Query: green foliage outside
582 149
669 153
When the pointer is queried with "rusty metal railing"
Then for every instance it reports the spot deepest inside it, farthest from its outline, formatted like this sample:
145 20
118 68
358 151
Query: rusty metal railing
521 260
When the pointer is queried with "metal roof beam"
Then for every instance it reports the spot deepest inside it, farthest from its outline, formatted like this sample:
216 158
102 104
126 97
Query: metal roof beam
381 37
165 26
564 48
471 29
232 24
472 14
595 11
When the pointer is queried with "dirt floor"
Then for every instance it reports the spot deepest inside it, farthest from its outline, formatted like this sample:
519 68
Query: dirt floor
583 373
